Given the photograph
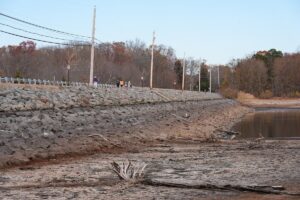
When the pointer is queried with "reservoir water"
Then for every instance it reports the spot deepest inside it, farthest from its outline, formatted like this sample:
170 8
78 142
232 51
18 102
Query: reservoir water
270 123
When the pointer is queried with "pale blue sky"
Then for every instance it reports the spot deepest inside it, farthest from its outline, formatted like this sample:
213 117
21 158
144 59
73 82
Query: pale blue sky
213 29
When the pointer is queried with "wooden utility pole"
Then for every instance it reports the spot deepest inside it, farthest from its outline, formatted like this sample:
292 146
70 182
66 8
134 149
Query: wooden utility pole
68 68
210 79
200 75
92 48
151 67
219 77
183 72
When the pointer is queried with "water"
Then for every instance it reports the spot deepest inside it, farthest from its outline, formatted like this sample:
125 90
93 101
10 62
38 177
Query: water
271 123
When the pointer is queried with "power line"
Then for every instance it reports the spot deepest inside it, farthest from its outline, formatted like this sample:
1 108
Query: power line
50 29
50 42
35 33
43 27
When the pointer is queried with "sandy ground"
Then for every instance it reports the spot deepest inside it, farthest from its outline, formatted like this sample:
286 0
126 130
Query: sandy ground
223 163
175 141
250 100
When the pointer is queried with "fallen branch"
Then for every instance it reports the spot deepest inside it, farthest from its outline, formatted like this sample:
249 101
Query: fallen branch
179 117
228 132
260 138
128 171
256 188
99 135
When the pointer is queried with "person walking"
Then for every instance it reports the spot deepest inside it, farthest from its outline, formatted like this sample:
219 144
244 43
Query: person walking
95 81
121 83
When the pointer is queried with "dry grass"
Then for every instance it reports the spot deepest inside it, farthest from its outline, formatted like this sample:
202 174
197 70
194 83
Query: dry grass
245 96
250 100
266 94
229 93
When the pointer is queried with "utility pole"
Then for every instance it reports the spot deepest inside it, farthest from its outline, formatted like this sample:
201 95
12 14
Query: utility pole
210 80
92 48
219 77
200 75
68 68
152 55
183 72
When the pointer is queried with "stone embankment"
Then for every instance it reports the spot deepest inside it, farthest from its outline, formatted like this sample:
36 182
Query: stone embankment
41 123
29 98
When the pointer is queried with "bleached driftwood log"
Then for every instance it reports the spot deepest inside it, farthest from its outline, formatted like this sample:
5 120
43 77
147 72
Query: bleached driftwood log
263 189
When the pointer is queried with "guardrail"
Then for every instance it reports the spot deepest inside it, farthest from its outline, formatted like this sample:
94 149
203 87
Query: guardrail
47 82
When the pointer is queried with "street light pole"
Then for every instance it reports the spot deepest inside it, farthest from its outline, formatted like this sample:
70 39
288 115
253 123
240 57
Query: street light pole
92 49
152 55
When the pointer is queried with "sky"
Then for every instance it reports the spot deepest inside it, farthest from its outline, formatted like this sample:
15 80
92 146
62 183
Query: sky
215 30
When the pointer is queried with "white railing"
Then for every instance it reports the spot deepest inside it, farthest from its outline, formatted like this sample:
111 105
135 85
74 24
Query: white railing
47 82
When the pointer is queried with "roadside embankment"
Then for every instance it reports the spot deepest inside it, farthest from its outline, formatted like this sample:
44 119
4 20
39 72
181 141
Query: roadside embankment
115 120
22 97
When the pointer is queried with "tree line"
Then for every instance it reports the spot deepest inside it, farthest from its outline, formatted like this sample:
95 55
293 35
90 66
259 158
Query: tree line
263 74
115 61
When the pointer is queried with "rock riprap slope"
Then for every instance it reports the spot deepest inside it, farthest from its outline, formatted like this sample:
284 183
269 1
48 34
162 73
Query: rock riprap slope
44 123
19 99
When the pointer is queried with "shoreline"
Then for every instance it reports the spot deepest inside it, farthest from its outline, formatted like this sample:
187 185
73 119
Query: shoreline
271 105
68 152
275 102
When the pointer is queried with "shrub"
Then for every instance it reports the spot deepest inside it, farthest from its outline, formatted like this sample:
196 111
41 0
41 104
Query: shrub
297 94
294 94
267 94
229 93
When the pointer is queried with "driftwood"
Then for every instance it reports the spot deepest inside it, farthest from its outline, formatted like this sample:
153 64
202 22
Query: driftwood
260 138
128 171
263 189
257 189
228 132
99 135
181 118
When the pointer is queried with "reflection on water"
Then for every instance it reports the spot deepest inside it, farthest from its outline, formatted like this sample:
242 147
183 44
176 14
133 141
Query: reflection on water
272 123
